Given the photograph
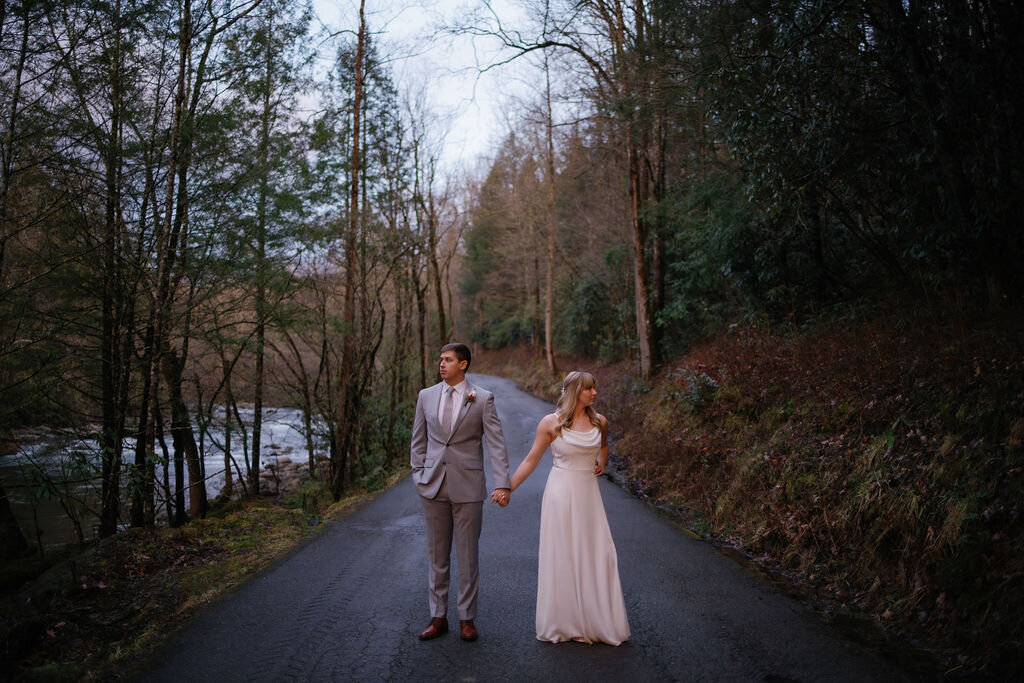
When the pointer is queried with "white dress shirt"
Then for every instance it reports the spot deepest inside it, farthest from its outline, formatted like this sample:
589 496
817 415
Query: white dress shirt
458 392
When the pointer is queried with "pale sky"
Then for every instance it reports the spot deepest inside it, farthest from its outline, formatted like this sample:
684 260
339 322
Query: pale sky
444 65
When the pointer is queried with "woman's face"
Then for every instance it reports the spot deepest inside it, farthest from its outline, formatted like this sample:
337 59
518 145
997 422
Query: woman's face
588 397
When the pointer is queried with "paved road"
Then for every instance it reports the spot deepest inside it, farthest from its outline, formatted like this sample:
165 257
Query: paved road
348 606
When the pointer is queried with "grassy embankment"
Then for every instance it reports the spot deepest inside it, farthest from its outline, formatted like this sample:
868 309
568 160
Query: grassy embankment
873 464
95 615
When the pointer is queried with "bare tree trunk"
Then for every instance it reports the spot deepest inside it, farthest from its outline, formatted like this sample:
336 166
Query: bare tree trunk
229 401
427 214
257 419
175 500
535 294
111 441
396 371
166 249
261 267
184 439
174 237
427 218
421 325
658 228
146 433
641 276
639 192
347 395
141 512
174 365
435 273
550 277
11 124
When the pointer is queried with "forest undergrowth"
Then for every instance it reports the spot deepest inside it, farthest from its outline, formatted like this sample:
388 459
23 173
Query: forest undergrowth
872 464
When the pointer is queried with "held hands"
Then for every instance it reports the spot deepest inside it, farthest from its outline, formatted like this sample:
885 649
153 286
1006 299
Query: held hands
501 497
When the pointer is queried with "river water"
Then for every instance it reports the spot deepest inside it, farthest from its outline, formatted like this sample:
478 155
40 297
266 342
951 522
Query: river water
56 472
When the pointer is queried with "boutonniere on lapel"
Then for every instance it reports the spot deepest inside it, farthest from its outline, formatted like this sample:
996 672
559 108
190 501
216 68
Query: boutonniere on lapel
470 398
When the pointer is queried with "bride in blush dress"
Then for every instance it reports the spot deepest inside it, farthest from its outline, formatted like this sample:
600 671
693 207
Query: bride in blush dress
579 596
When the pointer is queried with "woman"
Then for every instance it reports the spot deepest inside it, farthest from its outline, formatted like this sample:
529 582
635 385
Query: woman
579 596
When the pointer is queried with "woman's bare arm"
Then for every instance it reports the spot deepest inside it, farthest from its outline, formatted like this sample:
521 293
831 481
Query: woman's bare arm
543 439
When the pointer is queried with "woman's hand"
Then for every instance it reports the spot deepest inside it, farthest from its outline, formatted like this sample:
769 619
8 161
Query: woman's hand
500 496
602 458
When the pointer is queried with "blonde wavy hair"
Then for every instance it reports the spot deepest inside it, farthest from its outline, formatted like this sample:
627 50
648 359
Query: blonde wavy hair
575 382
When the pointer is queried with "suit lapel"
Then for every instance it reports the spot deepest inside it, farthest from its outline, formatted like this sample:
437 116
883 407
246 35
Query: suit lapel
435 404
463 407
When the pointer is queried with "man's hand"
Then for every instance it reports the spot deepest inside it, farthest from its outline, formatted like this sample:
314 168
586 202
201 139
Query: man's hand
501 496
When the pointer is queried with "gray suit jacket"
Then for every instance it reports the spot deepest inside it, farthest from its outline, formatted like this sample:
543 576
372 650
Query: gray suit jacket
458 458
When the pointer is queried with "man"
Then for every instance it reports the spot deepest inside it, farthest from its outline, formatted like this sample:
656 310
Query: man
453 421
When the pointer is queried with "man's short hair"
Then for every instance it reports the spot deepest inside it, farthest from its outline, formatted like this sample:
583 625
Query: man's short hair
462 352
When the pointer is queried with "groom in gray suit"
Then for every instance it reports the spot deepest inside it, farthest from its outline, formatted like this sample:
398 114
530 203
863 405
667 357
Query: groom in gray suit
453 421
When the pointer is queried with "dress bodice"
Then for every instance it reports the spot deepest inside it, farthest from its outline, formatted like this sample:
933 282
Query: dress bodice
576 450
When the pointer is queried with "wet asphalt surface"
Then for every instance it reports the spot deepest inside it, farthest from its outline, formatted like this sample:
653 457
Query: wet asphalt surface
348 605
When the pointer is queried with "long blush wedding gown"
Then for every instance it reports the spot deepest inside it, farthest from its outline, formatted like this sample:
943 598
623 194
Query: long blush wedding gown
579 596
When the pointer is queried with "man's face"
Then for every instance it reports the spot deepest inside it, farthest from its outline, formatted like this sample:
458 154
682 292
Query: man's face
451 367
